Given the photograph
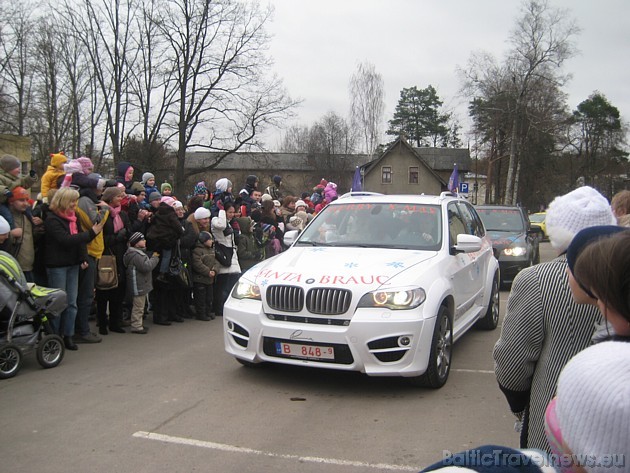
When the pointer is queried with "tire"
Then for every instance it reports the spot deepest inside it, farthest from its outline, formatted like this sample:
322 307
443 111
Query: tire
441 353
491 319
10 361
50 351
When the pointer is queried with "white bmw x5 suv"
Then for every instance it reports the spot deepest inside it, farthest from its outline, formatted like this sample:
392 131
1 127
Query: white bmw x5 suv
381 284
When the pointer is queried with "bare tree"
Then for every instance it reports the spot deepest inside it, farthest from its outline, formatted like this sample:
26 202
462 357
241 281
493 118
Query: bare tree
541 43
295 139
218 60
106 28
367 93
16 65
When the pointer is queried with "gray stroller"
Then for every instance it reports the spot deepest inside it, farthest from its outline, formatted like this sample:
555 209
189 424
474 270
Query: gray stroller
24 324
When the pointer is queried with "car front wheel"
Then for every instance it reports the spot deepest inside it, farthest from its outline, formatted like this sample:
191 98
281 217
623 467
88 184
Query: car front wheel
441 353
491 319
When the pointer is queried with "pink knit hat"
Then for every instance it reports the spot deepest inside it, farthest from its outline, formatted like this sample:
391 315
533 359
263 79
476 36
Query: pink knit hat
86 164
168 200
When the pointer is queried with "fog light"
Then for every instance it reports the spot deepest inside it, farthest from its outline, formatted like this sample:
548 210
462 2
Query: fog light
230 325
404 341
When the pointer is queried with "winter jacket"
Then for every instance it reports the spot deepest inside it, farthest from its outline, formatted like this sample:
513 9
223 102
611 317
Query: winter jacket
62 248
11 181
249 253
116 243
542 330
50 178
203 261
23 249
87 215
165 229
330 192
218 225
189 239
148 190
139 271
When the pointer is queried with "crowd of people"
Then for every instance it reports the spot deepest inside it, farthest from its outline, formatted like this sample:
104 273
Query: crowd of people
562 360
82 222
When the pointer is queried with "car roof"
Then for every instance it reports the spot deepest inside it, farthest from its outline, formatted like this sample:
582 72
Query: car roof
364 198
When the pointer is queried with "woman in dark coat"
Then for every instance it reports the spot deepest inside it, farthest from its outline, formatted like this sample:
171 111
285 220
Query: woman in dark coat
66 253
115 236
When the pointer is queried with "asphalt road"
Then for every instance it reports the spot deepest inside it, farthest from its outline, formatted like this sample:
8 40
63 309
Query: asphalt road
174 401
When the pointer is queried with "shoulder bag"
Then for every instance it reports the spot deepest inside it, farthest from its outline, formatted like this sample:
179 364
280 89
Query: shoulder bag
106 273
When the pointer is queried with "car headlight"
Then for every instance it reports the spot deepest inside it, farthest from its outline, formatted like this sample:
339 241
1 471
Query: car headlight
396 300
515 251
246 290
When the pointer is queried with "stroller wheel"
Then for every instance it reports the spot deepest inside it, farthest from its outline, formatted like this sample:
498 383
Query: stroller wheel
10 361
50 351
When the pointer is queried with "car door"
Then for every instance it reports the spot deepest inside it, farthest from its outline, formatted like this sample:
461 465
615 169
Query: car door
481 259
463 267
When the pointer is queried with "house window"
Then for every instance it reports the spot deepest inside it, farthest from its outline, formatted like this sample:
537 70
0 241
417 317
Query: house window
413 175
386 174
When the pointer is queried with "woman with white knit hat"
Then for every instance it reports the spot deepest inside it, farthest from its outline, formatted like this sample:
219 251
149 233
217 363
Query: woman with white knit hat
544 327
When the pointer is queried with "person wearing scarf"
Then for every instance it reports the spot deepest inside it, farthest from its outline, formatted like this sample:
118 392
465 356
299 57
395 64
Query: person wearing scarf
66 253
116 232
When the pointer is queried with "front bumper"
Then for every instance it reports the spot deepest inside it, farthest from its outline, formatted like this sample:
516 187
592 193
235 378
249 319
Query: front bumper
510 268
378 342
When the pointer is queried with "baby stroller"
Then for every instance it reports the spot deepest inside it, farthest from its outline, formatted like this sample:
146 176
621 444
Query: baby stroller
24 325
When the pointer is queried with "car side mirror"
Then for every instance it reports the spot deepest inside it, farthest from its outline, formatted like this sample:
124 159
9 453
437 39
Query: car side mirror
466 244
289 237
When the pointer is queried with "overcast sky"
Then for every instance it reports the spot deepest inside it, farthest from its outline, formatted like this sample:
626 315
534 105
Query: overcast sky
317 45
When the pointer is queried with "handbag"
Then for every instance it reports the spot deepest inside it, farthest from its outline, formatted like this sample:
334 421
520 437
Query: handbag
106 273
177 270
223 254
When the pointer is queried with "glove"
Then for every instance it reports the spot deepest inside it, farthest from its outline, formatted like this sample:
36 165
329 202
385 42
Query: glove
32 173
7 194
228 231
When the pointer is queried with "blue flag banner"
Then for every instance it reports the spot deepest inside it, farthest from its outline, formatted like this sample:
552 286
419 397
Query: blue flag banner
356 180
453 181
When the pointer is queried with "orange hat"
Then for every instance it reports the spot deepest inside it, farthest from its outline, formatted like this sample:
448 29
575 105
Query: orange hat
19 193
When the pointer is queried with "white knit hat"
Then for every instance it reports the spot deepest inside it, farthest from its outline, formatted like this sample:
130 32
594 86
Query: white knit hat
4 226
593 403
568 214
202 212
300 203
266 197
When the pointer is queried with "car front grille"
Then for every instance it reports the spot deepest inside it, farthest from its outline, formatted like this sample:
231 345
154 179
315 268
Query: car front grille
328 301
285 298
321 301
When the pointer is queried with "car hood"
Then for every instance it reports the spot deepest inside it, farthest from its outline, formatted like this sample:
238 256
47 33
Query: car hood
502 240
337 266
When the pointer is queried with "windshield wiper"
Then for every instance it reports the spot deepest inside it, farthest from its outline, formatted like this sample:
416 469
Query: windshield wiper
313 243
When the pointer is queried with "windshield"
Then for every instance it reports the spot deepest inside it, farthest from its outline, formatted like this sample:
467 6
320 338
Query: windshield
537 218
502 220
409 226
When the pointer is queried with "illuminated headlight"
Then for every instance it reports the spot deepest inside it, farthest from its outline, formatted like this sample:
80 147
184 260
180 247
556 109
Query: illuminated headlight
246 290
515 251
396 300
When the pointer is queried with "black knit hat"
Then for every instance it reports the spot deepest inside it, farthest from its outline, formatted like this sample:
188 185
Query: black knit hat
135 238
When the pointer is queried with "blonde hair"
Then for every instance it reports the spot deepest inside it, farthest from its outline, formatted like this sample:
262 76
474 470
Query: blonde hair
63 198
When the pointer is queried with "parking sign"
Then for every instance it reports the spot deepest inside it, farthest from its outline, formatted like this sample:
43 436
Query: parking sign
463 188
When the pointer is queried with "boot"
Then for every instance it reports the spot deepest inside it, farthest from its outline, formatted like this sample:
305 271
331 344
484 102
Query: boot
69 343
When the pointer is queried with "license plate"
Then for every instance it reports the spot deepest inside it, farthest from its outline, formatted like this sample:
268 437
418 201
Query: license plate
311 352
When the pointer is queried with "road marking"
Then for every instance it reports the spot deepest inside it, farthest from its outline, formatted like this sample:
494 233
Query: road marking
473 371
235 449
